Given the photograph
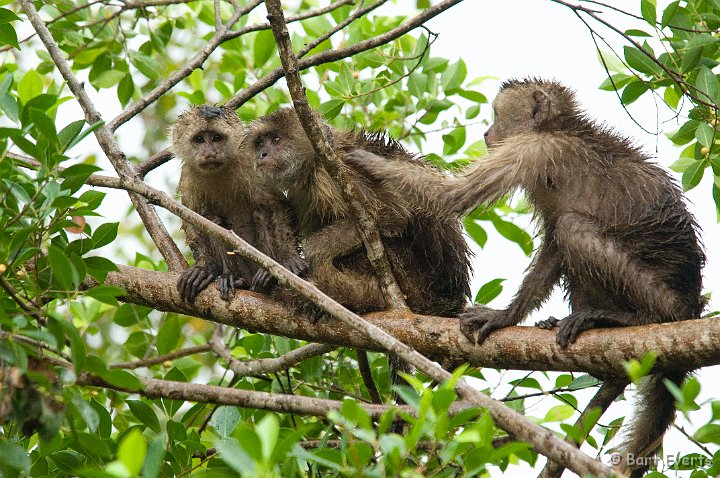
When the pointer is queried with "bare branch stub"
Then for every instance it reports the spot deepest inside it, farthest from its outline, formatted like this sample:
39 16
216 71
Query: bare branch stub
366 228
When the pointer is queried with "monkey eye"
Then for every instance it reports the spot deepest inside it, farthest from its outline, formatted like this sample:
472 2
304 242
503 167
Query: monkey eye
276 139
198 139
217 137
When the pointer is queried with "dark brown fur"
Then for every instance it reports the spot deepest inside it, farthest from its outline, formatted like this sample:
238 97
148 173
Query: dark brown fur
219 183
427 252
615 229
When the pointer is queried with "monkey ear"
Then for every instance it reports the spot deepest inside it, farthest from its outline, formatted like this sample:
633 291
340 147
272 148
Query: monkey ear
542 106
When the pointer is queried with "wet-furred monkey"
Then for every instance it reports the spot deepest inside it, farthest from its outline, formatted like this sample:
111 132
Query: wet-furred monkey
615 229
217 182
427 252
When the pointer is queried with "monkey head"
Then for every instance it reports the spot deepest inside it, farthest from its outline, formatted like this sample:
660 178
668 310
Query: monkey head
531 105
280 148
208 138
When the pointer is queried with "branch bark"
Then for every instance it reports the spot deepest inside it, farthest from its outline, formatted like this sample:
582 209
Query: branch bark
321 143
600 352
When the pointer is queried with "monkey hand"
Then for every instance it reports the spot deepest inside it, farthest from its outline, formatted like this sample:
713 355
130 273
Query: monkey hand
549 323
572 325
194 280
227 284
264 280
483 321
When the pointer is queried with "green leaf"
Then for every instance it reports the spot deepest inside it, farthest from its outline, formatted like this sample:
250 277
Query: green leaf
669 13
453 76
168 335
7 16
107 294
708 84
705 134
105 234
709 433
268 430
125 90
8 36
84 409
77 345
633 91
14 456
154 458
515 234
145 64
62 269
75 176
30 86
263 47
69 133
641 62
99 267
648 10
489 291
235 457
559 413
108 79
225 420
693 175
44 125
476 232
132 450
145 414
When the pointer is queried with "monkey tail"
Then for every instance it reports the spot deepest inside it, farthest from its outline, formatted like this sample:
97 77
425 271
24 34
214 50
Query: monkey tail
654 414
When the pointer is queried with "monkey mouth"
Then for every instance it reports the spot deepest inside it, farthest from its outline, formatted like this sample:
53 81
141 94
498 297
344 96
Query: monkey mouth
211 165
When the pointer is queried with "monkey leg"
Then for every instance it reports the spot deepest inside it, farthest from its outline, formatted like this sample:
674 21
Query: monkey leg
543 274
590 254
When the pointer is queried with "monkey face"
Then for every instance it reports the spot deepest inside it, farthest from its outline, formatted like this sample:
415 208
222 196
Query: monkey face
211 148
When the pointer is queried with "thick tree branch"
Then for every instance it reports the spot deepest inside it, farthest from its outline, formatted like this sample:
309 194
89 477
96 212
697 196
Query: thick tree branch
154 226
333 55
321 143
601 352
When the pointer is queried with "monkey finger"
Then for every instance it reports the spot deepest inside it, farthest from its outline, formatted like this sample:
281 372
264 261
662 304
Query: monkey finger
549 323
298 266
571 327
201 281
225 285
489 327
261 280
183 283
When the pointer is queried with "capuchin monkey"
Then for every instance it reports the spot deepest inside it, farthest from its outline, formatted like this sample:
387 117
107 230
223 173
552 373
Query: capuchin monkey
616 231
427 252
218 182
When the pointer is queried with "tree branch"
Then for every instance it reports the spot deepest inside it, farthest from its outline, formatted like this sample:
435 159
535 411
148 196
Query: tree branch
366 227
275 402
148 215
163 358
600 352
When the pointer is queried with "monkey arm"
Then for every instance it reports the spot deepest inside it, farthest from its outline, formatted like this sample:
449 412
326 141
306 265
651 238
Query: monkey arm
208 264
593 254
542 275
420 184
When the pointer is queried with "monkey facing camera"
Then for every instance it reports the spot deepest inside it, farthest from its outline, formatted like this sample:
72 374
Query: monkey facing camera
219 183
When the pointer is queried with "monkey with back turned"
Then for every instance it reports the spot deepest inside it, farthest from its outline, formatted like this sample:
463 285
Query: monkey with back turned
427 252
218 182
616 231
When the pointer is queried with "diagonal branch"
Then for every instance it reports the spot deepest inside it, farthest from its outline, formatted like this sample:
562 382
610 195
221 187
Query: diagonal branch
148 215
321 143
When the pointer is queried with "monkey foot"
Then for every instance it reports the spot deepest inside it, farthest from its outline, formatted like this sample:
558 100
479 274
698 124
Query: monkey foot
227 284
549 323
482 320
194 280
572 325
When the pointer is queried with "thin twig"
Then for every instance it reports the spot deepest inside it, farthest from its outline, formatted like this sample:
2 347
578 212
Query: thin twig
149 362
